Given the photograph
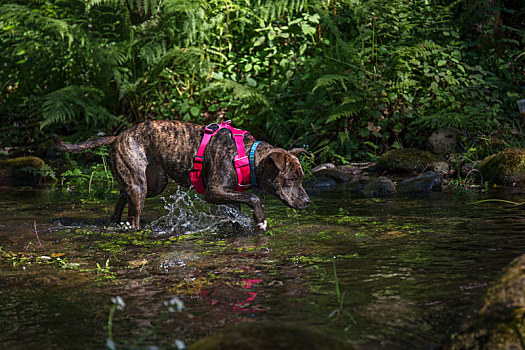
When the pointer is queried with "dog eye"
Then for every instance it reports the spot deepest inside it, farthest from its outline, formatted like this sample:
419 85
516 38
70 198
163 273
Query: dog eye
289 182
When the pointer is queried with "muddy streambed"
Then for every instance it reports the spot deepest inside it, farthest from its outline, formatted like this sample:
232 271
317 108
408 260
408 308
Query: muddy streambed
397 273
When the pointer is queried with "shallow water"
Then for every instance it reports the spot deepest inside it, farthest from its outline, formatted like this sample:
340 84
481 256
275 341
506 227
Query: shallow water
408 269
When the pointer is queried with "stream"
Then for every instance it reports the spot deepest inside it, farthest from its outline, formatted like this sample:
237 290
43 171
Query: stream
399 273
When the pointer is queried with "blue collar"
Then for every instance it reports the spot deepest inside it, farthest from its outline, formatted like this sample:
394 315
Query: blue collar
251 157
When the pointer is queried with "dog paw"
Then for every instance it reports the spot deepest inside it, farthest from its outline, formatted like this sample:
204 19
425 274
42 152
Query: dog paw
263 225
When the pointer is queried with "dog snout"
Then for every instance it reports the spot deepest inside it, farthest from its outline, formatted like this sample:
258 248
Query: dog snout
303 202
307 201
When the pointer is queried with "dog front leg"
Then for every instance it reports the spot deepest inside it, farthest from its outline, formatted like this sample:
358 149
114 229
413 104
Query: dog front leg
222 196
119 207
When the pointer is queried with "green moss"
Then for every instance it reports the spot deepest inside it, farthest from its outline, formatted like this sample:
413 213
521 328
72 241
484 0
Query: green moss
405 160
499 321
22 162
505 168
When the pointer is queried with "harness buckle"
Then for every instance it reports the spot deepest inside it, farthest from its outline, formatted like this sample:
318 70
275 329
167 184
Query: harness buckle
211 128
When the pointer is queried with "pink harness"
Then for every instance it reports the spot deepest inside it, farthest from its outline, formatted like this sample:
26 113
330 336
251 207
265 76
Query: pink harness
241 161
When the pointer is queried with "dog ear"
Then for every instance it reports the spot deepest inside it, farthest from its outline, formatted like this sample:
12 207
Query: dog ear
278 158
297 151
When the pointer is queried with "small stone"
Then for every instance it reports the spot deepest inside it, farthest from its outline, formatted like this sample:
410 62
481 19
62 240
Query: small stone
440 167
322 167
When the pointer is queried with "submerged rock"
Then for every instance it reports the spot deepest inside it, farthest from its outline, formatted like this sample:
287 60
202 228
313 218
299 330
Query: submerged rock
499 322
20 171
505 168
269 335
422 184
405 161
358 185
380 187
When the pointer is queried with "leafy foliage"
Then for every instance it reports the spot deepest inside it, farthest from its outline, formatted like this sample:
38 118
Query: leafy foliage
349 78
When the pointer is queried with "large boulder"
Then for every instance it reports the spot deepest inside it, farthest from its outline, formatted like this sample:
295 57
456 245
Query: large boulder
21 171
505 168
405 160
444 141
499 322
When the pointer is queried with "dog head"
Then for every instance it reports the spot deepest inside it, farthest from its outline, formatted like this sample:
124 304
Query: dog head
283 176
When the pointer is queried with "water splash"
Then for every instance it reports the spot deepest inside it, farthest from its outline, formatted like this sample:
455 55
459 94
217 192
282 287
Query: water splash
188 213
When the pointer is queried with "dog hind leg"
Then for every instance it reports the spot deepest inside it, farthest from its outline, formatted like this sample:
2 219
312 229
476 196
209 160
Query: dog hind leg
129 168
136 193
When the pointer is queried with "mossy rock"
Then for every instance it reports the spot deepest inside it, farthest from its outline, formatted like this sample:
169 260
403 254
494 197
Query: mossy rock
499 322
405 160
21 162
20 171
505 168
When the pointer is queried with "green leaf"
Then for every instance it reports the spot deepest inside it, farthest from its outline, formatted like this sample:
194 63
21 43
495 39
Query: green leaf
260 40
251 82
307 29
195 111
441 63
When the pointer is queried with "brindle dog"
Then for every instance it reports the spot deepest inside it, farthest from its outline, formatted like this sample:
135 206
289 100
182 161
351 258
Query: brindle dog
145 155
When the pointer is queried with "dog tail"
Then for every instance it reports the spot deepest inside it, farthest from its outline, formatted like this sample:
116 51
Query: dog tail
82 146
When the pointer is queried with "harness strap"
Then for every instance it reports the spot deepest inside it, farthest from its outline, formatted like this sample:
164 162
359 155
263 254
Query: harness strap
240 161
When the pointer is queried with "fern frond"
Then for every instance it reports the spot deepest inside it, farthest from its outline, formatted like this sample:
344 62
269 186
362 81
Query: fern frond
331 80
26 20
345 110
172 7
189 59
145 6
70 103
239 91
